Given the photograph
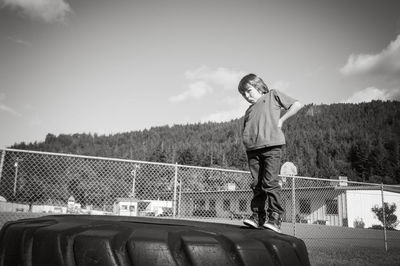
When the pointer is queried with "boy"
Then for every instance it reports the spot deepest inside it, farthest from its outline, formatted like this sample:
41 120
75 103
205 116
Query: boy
263 140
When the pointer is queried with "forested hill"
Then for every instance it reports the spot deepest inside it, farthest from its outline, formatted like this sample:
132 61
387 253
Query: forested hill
360 141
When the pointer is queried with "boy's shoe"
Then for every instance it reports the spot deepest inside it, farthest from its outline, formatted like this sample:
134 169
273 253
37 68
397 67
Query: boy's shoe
274 222
252 221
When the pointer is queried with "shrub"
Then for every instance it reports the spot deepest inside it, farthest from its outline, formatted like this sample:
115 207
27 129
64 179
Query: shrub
359 223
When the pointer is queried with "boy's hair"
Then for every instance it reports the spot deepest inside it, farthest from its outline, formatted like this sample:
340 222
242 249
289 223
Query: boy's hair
253 80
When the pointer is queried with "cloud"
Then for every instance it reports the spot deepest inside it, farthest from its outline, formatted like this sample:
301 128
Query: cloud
204 80
9 110
372 93
221 76
18 41
5 108
281 85
49 11
196 90
228 115
387 62
382 68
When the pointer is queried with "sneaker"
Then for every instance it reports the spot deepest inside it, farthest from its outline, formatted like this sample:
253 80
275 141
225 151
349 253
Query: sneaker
252 221
274 222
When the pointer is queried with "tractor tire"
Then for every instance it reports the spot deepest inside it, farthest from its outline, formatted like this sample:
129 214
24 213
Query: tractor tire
85 240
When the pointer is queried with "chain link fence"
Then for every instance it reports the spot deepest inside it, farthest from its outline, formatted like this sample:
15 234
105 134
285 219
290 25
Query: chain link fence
322 212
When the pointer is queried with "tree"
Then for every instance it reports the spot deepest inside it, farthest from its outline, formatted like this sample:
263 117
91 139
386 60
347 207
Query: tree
359 153
360 141
158 154
30 190
390 218
187 156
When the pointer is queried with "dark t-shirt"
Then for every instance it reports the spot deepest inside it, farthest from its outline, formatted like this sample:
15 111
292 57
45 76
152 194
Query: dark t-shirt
260 127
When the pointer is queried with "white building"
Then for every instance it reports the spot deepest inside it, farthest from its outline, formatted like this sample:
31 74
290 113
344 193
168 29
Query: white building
330 205
126 207
155 207
134 207
360 199
49 209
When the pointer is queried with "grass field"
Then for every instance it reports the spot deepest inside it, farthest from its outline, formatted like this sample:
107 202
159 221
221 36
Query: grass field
327 245
354 256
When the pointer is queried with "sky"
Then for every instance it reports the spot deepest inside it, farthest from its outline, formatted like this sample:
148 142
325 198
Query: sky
105 67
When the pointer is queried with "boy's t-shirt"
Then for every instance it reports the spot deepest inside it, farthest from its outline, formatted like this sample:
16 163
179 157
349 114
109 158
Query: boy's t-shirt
260 127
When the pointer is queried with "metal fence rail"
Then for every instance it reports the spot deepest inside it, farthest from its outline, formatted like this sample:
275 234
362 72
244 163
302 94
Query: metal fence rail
320 211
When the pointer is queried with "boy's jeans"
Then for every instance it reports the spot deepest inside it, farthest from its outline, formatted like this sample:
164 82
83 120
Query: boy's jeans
264 167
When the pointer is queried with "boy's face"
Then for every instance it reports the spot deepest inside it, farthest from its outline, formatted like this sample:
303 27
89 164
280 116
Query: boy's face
251 94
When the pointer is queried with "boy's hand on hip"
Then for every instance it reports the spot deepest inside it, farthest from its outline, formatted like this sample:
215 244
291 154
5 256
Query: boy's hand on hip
280 122
294 108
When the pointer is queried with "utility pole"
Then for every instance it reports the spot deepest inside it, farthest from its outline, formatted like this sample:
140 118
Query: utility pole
16 164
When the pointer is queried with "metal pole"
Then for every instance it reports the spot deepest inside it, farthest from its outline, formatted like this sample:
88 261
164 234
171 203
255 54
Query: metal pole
16 164
384 220
133 183
15 177
134 173
293 206
3 155
175 185
180 196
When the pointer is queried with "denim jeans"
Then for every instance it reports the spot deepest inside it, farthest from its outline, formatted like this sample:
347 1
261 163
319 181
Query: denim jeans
264 167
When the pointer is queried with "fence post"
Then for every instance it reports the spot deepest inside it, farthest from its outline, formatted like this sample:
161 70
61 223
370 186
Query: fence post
134 174
180 196
3 154
175 185
384 220
293 206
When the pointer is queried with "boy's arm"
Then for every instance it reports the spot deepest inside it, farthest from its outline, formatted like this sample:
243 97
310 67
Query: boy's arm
294 108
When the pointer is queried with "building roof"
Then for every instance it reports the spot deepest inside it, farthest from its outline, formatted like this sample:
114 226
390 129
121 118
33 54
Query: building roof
126 200
385 188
